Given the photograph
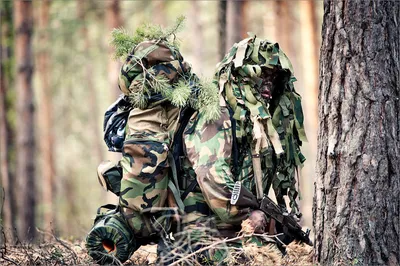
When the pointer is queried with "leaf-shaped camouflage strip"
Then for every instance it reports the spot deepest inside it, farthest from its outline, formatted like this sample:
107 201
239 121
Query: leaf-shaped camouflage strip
287 114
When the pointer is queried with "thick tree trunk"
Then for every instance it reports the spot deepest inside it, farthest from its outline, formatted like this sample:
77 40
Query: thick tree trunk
113 21
357 199
25 171
46 119
8 214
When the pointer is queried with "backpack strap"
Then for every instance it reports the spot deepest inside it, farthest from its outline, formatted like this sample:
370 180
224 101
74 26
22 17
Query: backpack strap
200 207
235 147
173 182
189 189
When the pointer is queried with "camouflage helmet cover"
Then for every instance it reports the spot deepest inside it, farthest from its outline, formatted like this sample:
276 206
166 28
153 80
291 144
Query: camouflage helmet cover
155 56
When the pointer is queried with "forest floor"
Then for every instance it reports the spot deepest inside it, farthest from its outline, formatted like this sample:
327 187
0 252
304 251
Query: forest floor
56 251
61 252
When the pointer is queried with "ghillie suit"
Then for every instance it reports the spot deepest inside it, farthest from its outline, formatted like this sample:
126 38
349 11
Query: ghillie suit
256 79
157 83
259 132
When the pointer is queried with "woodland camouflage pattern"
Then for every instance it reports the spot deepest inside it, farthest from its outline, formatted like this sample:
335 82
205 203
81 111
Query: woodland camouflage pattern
145 164
150 60
246 70
273 128
209 154
110 225
250 67
149 133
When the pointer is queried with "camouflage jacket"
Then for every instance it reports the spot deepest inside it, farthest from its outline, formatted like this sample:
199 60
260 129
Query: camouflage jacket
209 149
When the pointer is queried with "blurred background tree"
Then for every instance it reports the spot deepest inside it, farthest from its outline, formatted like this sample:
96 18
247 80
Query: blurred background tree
74 80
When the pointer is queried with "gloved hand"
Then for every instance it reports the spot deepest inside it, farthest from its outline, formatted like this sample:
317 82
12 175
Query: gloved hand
258 221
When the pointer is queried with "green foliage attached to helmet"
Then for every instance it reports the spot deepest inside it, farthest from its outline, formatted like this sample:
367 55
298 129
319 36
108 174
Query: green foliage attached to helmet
123 41
154 71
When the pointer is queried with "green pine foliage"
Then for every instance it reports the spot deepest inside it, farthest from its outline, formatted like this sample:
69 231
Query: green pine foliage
181 93
208 100
124 42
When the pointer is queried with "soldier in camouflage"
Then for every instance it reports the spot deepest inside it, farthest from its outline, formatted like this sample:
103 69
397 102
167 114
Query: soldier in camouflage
150 127
261 119
248 123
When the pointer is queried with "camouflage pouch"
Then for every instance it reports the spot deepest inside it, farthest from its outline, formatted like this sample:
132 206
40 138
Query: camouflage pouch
111 240
109 175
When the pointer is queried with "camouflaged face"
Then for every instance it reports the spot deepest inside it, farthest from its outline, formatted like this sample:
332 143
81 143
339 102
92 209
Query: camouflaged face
147 55
150 60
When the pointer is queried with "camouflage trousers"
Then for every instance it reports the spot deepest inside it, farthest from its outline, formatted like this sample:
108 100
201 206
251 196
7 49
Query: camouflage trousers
145 165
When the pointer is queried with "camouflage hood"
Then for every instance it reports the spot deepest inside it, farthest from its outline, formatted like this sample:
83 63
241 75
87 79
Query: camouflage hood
154 71
152 64
252 67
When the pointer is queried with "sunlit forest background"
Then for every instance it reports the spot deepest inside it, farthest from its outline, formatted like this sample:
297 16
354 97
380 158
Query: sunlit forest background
51 127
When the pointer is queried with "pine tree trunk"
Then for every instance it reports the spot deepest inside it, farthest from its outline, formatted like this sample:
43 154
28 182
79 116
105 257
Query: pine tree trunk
236 23
94 108
198 36
222 9
113 21
270 27
25 172
309 53
45 118
8 215
244 18
357 199
284 29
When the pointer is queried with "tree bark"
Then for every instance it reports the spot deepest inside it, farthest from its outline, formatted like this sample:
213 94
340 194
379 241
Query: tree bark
357 201
25 136
7 200
46 119
113 21
270 28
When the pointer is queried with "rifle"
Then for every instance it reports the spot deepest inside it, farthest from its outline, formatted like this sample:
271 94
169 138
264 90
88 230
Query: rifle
242 197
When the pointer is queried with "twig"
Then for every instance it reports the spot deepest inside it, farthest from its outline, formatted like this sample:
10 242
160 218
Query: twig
226 240
110 256
61 242
9 260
